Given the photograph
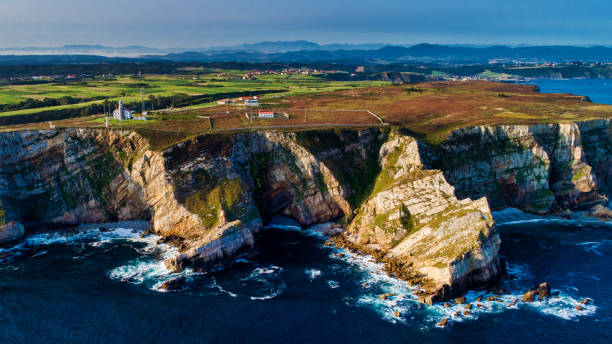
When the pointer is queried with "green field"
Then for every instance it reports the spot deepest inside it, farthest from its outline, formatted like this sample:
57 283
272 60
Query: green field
127 88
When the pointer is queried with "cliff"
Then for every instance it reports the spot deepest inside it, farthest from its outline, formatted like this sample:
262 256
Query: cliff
537 168
414 221
422 210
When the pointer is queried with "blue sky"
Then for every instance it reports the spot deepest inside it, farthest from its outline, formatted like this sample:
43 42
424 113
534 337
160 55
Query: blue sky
193 23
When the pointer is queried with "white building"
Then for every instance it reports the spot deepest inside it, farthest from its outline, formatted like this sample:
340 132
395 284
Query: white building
121 112
251 102
266 114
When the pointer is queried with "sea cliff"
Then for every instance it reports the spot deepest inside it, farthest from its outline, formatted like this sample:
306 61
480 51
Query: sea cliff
423 210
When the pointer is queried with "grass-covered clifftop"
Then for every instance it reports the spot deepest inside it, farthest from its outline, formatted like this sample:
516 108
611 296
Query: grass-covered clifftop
428 111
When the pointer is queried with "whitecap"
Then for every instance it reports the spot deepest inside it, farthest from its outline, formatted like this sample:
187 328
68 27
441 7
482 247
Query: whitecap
217 286
37 254
274 294
149 267
333 284
312 273
404 300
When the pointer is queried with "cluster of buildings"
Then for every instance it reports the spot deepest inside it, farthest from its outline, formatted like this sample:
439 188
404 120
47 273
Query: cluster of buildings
287 71
47 77
247 101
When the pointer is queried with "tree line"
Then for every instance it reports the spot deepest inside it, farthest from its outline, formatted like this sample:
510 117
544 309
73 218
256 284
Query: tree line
45 102
159 102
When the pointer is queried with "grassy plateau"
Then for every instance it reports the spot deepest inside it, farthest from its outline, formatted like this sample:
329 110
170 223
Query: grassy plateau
429 110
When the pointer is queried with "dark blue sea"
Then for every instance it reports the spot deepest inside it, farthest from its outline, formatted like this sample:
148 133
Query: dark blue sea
95 287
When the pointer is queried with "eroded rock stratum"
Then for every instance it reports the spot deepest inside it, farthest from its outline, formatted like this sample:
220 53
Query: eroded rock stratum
424 211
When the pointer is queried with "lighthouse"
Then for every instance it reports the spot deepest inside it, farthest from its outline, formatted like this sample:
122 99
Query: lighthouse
122 112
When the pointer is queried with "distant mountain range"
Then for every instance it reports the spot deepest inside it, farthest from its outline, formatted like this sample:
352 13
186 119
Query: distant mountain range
416 53
139 50
309 52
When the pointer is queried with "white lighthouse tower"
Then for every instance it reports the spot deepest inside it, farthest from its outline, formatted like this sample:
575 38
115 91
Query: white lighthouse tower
121 112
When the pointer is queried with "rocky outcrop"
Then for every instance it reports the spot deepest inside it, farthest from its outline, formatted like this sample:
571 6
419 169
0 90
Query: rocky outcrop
413 216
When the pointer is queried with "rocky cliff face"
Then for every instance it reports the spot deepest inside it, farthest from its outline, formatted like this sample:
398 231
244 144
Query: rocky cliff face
536 168
424 211
232 182
414 218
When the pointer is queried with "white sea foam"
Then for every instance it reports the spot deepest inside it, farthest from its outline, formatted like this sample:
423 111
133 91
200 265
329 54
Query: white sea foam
403 301
333 284
265 271
267 279
139 270
217 286
149 266
40 253
274 294
283 227
284 223
97 237
312 273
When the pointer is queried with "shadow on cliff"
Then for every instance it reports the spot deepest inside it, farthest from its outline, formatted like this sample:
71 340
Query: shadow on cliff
68 177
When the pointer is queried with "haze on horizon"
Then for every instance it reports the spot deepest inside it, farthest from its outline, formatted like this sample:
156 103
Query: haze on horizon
193 23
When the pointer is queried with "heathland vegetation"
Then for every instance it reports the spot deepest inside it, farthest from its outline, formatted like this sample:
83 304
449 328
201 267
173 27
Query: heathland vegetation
185 102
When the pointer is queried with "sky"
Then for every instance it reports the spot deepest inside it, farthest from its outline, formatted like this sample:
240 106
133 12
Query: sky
202 23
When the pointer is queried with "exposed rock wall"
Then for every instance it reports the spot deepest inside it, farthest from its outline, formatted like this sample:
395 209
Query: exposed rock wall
413 216
537 168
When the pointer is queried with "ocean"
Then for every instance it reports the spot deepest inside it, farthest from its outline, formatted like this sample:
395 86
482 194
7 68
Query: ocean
598 90
104 287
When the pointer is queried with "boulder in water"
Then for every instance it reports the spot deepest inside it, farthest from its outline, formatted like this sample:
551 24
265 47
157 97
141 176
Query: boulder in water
460 300
542 291
529 295
512 303
442 323
585 301
177 283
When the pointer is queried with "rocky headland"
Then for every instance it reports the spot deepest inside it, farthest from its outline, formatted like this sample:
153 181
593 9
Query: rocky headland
424 211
